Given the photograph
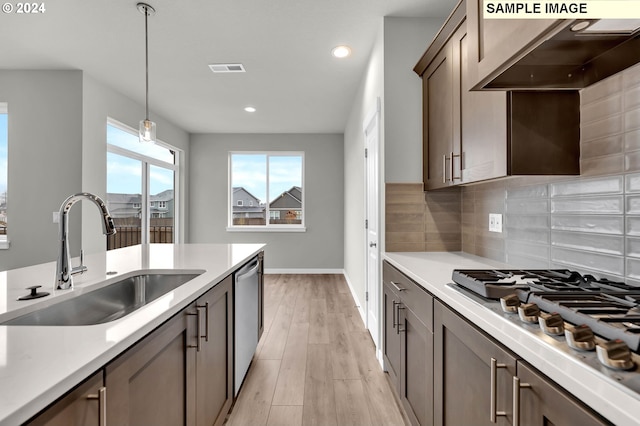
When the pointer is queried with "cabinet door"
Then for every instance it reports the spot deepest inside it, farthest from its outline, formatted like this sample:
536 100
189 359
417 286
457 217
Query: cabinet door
543 403
80 407
438 120
151 383
416 368
463 390
494 42
483 122
214 366
391 334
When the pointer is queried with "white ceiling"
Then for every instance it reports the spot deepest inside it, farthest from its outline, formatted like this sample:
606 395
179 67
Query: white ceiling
291 78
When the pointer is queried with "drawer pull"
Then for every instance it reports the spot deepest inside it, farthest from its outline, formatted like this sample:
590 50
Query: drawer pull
102 405
516 398
397 287
493 413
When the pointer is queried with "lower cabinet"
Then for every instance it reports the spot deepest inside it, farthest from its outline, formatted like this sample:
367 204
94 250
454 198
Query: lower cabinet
478 382
180 374
82 406
408 347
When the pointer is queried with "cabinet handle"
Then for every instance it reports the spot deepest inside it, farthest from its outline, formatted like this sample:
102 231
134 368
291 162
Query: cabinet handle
395 322
102 405
397 287
444 168
493 413
398 307
516 398
198 345
206 320
453 176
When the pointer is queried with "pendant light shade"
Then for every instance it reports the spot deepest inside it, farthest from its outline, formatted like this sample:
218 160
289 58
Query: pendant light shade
147 131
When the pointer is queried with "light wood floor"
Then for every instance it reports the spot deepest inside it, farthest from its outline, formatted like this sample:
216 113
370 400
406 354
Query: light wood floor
315 363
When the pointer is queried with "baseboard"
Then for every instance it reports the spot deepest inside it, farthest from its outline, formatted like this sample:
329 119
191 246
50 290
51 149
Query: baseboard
359 305
302 271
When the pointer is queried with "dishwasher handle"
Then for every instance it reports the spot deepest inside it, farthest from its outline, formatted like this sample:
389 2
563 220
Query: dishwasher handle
247 271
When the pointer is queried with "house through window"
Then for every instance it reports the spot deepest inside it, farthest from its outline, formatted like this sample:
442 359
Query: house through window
142 194
266 189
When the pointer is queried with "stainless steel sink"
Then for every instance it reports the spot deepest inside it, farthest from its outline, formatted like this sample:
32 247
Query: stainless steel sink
107 303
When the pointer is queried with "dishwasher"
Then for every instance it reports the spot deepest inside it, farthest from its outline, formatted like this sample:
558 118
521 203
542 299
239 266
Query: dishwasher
246 304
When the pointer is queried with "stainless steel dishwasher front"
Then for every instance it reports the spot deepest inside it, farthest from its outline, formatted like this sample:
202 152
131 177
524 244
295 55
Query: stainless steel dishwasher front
246 293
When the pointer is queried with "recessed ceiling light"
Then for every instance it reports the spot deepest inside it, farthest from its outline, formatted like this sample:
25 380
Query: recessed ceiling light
341 51
250 109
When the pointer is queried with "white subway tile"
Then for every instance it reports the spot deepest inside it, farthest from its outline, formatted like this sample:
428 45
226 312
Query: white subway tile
609 244
589 205
584 223
603 185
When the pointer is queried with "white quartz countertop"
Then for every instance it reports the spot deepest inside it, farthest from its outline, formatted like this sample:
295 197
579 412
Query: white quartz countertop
433 271
38 364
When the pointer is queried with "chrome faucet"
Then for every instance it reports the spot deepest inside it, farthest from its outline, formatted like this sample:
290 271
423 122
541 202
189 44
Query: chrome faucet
64 271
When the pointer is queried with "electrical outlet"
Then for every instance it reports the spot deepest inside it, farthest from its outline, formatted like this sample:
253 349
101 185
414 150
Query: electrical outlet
495 222
56 217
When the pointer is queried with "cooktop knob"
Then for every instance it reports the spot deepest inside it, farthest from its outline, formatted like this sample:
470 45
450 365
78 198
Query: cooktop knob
529 312
580 337
552 323
615 354
510 303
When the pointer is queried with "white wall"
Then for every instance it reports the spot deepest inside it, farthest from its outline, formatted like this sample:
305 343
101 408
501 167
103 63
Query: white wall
57 147
320 247
354 236
44 163
398 47
100 102
405 40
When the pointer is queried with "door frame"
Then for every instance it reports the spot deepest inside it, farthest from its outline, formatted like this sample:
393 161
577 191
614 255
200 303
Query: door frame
373 118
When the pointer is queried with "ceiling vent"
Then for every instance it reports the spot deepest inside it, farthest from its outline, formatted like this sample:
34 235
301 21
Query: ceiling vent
227 68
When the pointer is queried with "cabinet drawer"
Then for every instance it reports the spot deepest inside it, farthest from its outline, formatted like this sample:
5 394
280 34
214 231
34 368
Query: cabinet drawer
411 294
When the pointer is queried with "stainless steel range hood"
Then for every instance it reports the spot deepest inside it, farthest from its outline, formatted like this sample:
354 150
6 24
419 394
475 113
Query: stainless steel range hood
581 53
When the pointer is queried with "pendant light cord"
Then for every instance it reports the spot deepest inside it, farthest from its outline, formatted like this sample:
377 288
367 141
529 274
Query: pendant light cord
146 54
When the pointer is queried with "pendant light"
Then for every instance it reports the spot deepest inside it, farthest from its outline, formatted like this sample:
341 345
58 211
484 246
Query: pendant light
147 132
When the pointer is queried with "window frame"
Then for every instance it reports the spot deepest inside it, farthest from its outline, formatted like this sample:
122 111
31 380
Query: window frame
147 162
267 227
4 239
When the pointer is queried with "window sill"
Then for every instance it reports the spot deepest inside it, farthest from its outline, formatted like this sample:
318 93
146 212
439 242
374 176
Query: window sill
4 244
266 229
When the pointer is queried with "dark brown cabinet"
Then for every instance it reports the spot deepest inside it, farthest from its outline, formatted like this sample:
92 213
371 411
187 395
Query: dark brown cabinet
471 136
214 360
478 382
152 382
82 406
473 375
182 372
542 403
408 343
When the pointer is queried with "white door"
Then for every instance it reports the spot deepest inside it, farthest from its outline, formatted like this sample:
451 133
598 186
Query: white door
371 128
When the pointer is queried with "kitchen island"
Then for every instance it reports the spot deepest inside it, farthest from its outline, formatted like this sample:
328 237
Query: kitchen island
595 386
38 364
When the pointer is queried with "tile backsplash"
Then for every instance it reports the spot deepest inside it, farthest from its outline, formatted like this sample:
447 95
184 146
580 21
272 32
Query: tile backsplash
589 223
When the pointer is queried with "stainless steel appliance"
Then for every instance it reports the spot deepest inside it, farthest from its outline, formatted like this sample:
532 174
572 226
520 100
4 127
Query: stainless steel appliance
596 321
246 301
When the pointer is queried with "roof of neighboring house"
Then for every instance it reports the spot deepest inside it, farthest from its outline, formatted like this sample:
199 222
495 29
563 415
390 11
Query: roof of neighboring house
290 199
113 197
166 195
237 189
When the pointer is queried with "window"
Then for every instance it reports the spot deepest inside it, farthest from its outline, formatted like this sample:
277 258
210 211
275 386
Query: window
141 179
266 190
4 142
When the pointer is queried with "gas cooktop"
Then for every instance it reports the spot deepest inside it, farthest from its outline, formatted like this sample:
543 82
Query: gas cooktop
566 304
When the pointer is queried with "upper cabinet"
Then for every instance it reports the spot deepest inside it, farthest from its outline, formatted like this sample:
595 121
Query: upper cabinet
470 136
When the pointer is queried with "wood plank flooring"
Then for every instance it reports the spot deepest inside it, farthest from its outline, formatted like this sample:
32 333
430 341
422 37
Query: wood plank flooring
315 363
